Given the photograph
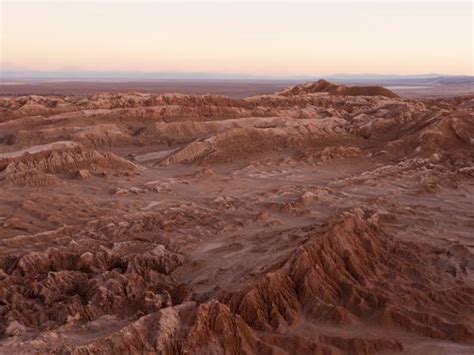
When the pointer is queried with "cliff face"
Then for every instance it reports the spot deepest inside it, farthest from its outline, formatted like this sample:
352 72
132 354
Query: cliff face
323 219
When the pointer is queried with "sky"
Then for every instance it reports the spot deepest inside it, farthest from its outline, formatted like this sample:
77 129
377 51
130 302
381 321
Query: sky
259 38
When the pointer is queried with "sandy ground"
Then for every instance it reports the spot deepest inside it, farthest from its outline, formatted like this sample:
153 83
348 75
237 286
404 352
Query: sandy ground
236 89
312 220
233 88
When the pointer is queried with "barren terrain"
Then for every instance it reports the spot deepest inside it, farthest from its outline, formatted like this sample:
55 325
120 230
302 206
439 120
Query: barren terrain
321 219
233 88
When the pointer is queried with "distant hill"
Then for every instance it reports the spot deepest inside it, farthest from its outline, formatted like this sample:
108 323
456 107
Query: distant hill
325 86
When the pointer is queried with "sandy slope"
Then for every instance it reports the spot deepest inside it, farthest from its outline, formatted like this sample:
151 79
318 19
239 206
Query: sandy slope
321 219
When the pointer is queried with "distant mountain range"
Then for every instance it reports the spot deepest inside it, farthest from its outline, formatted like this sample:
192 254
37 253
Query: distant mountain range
12 74
370 76
404 80
112 75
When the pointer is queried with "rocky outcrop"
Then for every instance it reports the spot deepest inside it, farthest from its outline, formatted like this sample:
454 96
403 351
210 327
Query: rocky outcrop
327 87
339 276
39 163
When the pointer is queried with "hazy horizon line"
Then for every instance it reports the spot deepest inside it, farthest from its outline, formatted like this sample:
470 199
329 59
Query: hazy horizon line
203 75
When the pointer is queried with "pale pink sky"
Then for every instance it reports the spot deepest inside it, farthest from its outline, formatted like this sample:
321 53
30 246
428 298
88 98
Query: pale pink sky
239 37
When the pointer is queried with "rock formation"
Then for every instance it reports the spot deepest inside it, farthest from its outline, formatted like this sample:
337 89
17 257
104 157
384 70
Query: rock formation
323 219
